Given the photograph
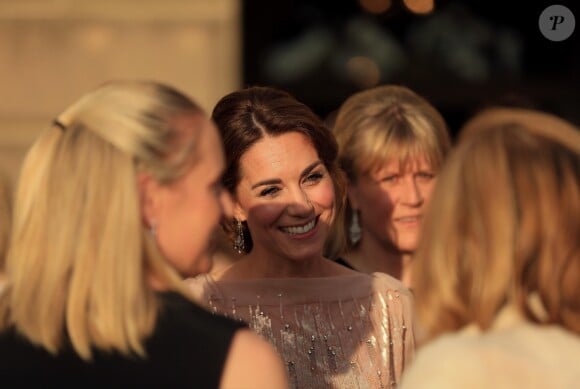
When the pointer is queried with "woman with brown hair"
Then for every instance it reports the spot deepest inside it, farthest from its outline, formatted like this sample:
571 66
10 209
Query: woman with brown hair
334 327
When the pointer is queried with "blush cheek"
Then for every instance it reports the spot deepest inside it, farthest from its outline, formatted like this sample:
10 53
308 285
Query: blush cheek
427 191
376 208
264 215
323 195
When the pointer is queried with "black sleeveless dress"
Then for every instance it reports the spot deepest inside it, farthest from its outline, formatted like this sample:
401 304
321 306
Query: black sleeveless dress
188 348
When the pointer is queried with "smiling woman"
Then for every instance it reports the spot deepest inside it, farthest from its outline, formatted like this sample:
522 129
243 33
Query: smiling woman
334 327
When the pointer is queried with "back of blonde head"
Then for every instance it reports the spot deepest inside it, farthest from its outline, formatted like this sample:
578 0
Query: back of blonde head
79 254
5 217
503 226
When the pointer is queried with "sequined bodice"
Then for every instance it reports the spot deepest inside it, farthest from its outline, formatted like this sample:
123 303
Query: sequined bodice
350 331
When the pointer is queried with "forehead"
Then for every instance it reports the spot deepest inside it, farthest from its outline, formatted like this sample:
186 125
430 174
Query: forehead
275 155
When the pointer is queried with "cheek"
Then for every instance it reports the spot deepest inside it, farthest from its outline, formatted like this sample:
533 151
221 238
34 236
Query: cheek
377 200
427 190
264 215
323 195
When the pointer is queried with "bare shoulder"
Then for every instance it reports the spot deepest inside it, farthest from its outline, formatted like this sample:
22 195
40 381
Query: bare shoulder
253 363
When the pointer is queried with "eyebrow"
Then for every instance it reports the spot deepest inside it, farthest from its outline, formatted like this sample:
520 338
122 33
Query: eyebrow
273 181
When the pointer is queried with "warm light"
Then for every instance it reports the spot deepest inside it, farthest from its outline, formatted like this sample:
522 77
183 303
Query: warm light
363 71
420 6
188 38
95 38
375 6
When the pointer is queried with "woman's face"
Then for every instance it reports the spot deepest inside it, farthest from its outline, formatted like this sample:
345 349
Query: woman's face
391 202
286 195
187 212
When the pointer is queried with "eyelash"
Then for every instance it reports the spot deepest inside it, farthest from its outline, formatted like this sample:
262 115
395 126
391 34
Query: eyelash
311 179
269 191
423 175
426 175
389 178
315 177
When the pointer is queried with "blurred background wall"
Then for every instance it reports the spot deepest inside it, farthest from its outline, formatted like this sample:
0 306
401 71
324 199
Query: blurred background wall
52 51
460 54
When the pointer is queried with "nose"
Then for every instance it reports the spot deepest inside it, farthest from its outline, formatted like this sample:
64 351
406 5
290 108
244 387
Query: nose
411 193
300 204
227 204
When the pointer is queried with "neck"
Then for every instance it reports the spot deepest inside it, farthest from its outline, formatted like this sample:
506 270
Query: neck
371 256
258 265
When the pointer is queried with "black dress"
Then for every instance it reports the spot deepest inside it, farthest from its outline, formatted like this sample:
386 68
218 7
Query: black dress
187 349
341 261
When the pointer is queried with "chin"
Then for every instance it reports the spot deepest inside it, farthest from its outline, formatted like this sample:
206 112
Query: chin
305 255
407 247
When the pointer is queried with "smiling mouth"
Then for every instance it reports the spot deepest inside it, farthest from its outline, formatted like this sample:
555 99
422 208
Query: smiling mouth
409 219
297 230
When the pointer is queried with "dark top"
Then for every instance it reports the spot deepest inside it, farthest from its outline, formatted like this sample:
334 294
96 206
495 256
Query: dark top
187 349
344 263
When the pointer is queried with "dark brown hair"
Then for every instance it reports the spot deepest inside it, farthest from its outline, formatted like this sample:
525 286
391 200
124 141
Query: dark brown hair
245 116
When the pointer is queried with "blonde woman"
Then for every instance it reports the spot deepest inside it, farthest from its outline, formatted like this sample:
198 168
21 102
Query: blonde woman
391 145
5 220
498 266
117 202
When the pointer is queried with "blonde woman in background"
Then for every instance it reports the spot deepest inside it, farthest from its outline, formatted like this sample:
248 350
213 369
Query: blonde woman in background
118 201
391 145
498 267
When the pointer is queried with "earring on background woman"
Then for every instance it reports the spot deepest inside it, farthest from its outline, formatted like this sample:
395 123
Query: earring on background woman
354 229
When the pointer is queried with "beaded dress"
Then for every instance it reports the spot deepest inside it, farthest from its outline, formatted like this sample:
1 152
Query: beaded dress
351 331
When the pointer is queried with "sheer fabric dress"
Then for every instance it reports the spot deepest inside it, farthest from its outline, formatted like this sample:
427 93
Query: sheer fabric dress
351 331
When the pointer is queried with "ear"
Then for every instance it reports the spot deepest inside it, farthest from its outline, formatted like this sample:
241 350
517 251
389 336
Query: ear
148 198
239 212
352 194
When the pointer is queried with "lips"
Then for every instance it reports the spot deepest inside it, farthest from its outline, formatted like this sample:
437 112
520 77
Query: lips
408 219
301 229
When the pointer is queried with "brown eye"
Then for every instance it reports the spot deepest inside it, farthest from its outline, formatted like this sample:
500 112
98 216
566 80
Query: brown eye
390 179
269 191
426 175
314 177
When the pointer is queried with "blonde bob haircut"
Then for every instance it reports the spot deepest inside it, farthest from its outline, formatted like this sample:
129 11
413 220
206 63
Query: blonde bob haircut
379 124
388 122
502 228
80 256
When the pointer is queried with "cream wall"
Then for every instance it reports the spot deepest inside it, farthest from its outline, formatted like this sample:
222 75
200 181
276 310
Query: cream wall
52 51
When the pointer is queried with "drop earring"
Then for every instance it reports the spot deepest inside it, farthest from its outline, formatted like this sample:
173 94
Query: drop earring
239 244
354 229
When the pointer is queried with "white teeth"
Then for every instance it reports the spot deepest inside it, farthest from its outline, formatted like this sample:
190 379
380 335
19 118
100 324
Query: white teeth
300 230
